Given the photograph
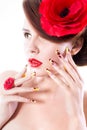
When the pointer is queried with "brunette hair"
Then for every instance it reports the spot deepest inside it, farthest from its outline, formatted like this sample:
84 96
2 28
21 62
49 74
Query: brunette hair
31 10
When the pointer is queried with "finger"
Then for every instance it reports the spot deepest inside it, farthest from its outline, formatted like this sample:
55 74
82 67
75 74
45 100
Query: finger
70 59
20 81
19 90
22 73
74 71
55 78
65 77
69 69
15 98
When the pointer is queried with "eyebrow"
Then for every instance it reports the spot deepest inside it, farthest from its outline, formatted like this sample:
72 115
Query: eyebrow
24 29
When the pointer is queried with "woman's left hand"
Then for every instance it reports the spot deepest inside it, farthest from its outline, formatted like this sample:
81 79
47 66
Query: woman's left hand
68 79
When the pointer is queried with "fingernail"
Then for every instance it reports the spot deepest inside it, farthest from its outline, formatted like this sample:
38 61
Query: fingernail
65 68
33 101
48 71
57 52
33 74
36 89
51 61
60 56
67 50
24 75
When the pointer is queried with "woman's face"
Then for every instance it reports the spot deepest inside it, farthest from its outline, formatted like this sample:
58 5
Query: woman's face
39 50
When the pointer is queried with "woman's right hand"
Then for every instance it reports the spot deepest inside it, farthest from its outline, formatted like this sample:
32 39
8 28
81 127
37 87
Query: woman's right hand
9 99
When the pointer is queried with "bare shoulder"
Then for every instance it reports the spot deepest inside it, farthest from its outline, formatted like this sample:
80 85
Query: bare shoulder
5 75
85 105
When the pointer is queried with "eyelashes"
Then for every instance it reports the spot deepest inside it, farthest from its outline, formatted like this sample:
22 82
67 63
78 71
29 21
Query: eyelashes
27 35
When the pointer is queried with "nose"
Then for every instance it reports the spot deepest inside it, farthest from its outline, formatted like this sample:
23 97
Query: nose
32 47
34 50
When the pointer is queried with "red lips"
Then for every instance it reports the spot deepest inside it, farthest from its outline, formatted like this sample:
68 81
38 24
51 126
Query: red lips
34 62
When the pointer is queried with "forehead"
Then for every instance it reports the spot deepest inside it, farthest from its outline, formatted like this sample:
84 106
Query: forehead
27 24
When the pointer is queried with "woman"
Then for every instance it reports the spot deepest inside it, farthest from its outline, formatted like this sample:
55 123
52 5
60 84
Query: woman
48 93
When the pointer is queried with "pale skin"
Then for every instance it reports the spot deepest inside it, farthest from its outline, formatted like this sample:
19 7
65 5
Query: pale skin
58 104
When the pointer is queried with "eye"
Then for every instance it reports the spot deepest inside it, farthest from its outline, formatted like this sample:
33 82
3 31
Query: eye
27 35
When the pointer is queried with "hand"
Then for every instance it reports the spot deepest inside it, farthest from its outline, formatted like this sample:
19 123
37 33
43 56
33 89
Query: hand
9 99
70 84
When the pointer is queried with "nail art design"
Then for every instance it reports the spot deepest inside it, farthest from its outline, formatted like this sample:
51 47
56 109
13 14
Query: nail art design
24 75
59 54
36 89
51 61
67 50
33 101
48 71
33 74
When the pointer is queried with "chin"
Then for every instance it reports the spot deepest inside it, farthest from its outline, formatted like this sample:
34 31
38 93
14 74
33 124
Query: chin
41 73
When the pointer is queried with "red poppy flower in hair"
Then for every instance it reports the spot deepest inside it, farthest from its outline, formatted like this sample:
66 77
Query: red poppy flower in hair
9 83
63 17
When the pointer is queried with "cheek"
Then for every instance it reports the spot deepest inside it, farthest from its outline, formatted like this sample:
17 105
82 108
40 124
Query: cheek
50 55
26 49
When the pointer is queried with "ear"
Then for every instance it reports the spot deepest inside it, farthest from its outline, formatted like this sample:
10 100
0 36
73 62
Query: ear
77 45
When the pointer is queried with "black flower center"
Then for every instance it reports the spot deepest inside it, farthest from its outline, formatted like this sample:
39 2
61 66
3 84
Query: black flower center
64 12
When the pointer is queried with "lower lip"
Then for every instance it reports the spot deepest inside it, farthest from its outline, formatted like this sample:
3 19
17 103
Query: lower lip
34 63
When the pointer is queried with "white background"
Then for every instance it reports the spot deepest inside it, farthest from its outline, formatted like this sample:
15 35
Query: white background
11 37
